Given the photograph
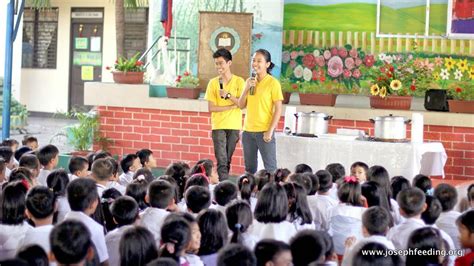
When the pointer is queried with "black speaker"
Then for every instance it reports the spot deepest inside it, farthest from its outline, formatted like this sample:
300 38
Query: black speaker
436 100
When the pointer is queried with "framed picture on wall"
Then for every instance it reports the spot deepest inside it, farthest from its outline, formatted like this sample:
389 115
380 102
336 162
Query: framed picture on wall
460 19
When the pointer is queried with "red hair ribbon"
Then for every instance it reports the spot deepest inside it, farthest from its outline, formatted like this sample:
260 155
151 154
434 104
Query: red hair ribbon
351 179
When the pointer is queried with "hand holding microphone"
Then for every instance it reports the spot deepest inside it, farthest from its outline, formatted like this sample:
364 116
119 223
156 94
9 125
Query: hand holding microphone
221 86
252 87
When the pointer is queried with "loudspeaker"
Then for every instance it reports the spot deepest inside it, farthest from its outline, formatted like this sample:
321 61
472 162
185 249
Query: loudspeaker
436 100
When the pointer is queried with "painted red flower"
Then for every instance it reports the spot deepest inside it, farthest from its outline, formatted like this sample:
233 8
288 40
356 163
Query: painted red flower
412 87
309 61
186 74
320 61
334 51
347 73
294 86
369 60
139 63
322 79
349 63
353 53
358 61
356 73
342 52
458 90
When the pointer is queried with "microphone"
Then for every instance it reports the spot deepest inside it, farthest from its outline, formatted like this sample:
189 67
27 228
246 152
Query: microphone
252 88
221 86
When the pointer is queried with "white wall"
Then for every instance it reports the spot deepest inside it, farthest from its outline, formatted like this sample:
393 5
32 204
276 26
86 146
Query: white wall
16 51
47 90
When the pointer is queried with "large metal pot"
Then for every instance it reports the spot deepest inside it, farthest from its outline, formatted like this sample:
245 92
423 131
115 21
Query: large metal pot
312 123
390 127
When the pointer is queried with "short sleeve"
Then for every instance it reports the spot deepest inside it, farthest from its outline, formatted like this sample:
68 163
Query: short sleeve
240 88
277 94
210 93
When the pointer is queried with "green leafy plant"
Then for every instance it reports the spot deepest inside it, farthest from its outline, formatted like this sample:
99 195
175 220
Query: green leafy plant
187 80
463 91
128 65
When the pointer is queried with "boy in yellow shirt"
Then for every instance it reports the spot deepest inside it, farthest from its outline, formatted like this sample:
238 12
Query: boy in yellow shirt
223 94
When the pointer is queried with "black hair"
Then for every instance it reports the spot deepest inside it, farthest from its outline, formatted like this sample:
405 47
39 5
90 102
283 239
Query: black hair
124 210
328 243
302 242
360 164
6 152
34 255
262 177
101 155
224 53
175 231
411 201
303 168
325 180
81 193
172 181
102 169
422 182
272 204
281 174
29 161
146 173
197 180
246 184
470 192
21 151
57 181
144 155
303 180
374 195
21 174
298 204
267 250
28 138
3 165
9 142
90 159
163 262
397 184
14 262
178 172
380 175
108 197
314 183
268 58
160 194
13 203
376 220
236 255
466 219
198 198
239 219
336 170
376 258
40 202
47 153
137 247
433 210
447 195
425 239
137 190
127 162
214 232
77 163
350 192
205 164
70 242
225 192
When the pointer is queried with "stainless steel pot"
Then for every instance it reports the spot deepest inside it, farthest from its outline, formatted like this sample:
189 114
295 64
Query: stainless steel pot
312 123
390 127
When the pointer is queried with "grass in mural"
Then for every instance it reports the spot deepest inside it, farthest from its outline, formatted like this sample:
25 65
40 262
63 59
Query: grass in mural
362 17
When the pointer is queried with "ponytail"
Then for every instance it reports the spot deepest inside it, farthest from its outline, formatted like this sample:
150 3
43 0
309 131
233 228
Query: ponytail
246 184
237 236
239 218
57 181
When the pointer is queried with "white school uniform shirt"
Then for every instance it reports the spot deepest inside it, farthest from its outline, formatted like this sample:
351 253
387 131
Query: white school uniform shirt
333 192
249 240
400 234
96 230
345 221
72 177
323 206
397 217
193 260
126 178
11 236
152 219
253 203
43 176
218 208
117 186
63 208
38 236
351 252
448 240
100 189
447 222
298 226
112 241
282 231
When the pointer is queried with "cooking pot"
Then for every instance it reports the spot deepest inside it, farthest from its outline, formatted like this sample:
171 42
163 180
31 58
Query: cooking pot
312 123
390 127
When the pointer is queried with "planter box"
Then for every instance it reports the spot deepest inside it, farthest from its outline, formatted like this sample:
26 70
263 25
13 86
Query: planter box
128 77
391 102
187 93
318 99
286 97
456 106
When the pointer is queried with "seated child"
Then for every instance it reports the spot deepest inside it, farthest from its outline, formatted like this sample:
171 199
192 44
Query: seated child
48 157
302 242
129 164
273 252
102 172
239 220
78 167
466 237
137 247
298 212
236 255
30 141
337 172
324 202
359 170
57 182
198 198
448 197
71 244
224 193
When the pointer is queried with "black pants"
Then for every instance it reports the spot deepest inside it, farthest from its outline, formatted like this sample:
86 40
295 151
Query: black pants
225 141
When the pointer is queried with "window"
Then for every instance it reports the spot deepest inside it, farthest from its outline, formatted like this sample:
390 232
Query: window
40 36
136 31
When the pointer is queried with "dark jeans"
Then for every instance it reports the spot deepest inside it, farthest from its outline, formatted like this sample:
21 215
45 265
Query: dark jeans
224 141
253 142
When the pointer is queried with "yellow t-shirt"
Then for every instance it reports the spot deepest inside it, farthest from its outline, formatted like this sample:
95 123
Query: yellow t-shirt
260 105
230 119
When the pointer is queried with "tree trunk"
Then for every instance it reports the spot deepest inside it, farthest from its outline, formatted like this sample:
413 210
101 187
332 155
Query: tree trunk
120 27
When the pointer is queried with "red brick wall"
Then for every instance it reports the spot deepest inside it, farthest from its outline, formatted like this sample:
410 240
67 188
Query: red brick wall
181 135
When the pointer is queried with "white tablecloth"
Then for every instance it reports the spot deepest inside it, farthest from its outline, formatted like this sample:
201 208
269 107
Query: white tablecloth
405 159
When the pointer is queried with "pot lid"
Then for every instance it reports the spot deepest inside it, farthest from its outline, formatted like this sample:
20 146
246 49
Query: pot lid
391 117
311 114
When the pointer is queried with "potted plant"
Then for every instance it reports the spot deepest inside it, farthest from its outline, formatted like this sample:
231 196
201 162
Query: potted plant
462 95
128 71
186 86
18 112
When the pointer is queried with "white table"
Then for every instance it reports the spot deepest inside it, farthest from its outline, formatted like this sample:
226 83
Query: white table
405 159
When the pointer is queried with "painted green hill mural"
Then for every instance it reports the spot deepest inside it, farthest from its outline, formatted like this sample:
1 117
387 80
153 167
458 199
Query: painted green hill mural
362 17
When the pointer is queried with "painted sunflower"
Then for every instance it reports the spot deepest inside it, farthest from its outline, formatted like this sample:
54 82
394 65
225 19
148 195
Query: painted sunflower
471 73
395 85
449 63
374 90
462 65
383 92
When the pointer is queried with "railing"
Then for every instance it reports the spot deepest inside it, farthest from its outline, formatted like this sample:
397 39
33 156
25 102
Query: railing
368 42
